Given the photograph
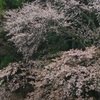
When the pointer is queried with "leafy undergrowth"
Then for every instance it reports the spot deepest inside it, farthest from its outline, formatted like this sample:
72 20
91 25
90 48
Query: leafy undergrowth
75 75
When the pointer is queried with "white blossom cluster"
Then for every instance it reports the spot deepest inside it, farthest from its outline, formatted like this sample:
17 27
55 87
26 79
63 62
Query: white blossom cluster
30 25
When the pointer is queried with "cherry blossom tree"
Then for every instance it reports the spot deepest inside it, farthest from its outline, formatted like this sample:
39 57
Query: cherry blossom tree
34 22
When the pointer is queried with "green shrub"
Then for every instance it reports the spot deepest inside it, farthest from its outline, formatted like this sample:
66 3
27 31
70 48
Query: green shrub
10 4
5 61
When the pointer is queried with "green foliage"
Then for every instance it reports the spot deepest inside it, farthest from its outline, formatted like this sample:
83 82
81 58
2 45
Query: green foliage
10 4
8 52
5 61
58 43
6 4
91 20
2 3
